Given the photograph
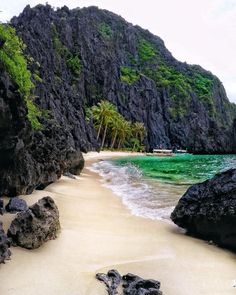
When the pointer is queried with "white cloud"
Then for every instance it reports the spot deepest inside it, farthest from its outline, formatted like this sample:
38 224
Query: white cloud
200 32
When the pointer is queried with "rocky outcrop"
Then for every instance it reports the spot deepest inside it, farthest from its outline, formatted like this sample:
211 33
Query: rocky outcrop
132 284
208 210
5 252
32 159
16 205
33 227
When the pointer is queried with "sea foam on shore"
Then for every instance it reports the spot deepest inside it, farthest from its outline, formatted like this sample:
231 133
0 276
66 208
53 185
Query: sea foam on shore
143 196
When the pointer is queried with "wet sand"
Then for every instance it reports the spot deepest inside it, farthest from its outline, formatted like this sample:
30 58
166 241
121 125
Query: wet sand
98 233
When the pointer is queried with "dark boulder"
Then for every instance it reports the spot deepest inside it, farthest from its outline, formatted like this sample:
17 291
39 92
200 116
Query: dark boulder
33 227
208 210
1 206
132 284
16 205
5 252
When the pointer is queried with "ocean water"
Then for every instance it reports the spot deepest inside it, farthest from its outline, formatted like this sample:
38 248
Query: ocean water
151 186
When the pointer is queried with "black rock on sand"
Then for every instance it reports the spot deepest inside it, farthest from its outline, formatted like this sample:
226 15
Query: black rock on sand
33 227
208 210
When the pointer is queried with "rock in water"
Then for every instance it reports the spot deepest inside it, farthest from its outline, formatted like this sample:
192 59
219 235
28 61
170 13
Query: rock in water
16 205
40 223
5 252
132 284
208 210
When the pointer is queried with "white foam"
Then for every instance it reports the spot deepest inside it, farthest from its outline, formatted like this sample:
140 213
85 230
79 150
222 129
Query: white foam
138 194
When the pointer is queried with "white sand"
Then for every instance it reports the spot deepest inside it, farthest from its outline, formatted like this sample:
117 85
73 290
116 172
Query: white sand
98 233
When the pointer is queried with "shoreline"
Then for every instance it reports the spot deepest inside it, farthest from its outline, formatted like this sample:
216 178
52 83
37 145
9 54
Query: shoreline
99 233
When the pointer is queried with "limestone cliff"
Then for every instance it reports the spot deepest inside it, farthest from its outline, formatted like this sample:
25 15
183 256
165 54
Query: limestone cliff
78 57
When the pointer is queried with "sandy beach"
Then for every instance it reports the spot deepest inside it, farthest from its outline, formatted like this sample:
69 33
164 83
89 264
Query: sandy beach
98 233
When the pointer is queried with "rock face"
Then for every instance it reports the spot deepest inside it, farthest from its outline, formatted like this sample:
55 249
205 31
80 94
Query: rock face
33 227
208 210
16 205
132 284
77 58
180 105
5 252
31 159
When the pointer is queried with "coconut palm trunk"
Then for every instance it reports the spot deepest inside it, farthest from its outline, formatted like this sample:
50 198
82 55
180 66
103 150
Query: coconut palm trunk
104 136
114 140
99 130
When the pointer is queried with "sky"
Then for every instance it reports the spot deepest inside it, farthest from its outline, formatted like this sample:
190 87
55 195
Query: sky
195 31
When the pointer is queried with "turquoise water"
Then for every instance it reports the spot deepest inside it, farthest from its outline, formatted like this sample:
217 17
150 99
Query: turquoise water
151 186
182 168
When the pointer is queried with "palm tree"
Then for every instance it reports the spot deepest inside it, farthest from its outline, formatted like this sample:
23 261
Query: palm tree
103 114
139 131
115 128
125 130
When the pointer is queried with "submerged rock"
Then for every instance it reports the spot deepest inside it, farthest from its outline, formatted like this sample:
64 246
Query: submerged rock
33 227
5 252
132 284
208 210
16 205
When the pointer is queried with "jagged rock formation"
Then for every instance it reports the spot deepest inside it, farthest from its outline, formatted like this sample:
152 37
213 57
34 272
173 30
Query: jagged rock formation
77 57
208 210
33 227
132 284
28 158
5 252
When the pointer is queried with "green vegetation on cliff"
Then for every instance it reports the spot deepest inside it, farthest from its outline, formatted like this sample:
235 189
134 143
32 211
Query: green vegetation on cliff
14 62
129 75
74 63
114 130
146 50
178 83
105 30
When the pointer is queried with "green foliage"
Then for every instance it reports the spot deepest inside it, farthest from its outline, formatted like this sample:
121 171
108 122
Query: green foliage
202 85
13 60
105 30
146 50
37 78
74 63
129 75
113 129
60 48
33 114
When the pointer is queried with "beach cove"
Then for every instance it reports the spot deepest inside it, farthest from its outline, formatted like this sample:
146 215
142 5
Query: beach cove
99 233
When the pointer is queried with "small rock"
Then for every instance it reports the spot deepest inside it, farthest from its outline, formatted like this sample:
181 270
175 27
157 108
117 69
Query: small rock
132 284
1 206
33 227
5 252
68 174
16 205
